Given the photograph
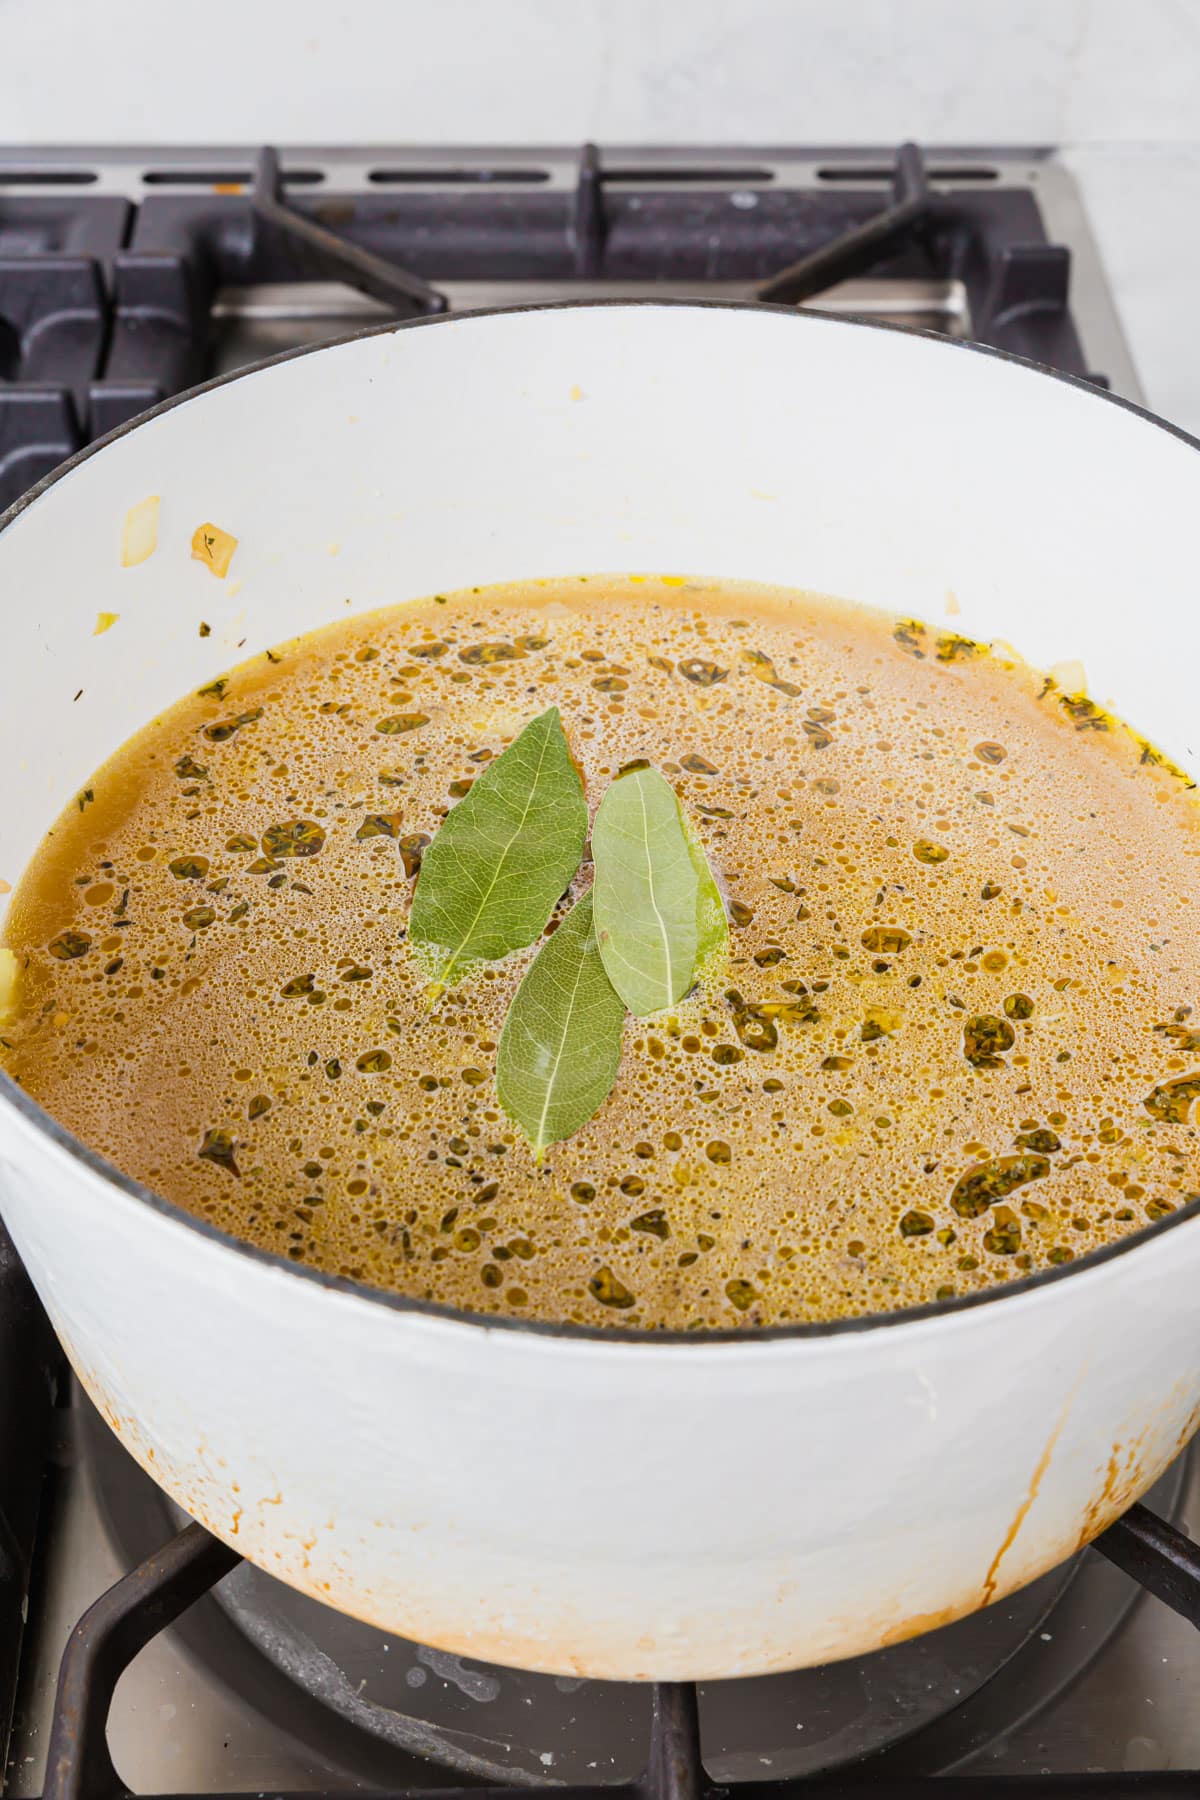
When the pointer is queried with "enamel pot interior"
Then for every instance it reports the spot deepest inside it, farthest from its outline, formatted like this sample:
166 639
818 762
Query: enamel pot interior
893 469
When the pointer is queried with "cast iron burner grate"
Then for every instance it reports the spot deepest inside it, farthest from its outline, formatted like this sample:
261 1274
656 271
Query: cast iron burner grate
113 278
123 1621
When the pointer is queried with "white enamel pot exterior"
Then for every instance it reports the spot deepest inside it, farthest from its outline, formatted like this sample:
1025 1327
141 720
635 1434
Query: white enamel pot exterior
604 1504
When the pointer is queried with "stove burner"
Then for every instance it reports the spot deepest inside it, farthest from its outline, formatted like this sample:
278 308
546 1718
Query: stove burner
369 1702
108 300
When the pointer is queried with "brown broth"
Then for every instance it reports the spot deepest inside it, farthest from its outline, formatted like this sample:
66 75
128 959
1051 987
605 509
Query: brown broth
955 1042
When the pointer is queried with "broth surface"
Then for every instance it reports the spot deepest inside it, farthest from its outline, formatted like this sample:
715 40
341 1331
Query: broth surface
954 1043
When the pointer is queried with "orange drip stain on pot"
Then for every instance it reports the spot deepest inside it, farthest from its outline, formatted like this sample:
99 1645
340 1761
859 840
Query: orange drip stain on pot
1104 1506
992 1578
1128 1472
1187 1430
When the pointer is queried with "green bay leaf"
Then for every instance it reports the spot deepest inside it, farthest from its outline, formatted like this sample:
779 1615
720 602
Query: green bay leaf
712 924
490 878
647 892
561 1042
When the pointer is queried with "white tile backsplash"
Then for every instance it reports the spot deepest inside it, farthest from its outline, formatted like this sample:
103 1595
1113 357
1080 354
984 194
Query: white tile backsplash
638 70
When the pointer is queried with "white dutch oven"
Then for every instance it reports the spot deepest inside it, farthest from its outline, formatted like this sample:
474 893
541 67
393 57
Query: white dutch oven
605 1504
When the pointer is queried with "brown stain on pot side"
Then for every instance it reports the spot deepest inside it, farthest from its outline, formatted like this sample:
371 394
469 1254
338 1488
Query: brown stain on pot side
1132 1468
1126 1475
991 1579
1187 1430
1129 1471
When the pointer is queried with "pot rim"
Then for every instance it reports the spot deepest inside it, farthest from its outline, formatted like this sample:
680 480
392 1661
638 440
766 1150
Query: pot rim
11 1095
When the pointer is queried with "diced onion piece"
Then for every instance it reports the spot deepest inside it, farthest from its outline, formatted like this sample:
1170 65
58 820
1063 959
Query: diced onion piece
140 536
214 548
105 622
10 975
1070 677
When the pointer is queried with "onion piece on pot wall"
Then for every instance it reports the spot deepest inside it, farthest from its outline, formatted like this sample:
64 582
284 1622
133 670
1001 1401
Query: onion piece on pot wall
139 538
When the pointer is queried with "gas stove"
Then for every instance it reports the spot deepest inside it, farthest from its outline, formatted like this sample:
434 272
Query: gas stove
136 1653
126 276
